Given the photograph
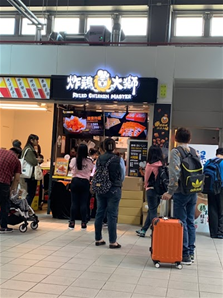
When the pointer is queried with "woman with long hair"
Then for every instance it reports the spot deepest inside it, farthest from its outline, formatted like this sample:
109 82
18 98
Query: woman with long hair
31 157
81 167
154 161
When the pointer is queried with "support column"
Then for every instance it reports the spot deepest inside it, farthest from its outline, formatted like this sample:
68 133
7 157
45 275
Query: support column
159 21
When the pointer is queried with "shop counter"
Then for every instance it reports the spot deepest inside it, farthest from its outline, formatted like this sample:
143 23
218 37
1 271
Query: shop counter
62 177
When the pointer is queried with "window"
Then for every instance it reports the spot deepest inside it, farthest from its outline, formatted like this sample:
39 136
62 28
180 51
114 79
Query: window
189 26
107 22
68 25
217 26
28 29
134 26
7 26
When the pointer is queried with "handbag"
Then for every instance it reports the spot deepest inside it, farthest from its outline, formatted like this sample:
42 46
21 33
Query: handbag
38 174
26 168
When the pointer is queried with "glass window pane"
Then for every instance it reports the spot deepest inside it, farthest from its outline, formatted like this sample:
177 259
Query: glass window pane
217 26
134 26
189 26
31 29
107 22
68 25
7 26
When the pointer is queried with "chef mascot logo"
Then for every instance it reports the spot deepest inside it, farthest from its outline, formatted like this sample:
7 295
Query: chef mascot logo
102 80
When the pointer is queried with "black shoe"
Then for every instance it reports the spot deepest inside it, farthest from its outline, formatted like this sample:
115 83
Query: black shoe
192 258
5 230
217 237
71 225
186 260
83 226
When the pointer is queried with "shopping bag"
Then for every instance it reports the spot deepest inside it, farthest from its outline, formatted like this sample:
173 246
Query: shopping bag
26 168
38 174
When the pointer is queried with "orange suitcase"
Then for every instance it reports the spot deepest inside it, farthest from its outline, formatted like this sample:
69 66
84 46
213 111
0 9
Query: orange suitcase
167 241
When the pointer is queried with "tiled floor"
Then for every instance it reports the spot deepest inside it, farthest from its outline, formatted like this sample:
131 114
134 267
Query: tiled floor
56 262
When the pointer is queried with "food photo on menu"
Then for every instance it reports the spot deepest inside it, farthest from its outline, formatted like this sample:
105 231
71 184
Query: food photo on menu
83 123
126 125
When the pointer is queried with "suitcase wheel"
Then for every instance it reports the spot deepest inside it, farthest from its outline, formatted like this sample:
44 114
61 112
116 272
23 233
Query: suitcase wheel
179 266
157 264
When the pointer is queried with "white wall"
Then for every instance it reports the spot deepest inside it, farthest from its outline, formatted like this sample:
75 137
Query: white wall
20 124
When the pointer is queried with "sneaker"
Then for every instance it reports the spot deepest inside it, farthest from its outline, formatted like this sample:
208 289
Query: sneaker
5 230
192 258
141 233
71 225
105 225
186 260
83 226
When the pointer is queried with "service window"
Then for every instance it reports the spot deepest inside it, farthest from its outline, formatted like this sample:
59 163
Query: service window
107 22
134 25
188 26
217 26
68 25
28 29
7 26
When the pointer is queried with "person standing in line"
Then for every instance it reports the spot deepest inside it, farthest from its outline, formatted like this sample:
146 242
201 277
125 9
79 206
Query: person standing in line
10 170
154 161
111 199
184 204
32 158
81 168
215 205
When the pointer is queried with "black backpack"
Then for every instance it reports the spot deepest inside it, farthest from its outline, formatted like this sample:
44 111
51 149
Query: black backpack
162 180
192 177
101 182
212 172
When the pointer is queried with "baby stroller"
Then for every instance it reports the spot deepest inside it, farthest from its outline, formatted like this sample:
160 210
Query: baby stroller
21 212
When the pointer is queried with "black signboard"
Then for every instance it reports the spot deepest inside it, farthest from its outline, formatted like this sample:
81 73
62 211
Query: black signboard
161 127
102 87
137 158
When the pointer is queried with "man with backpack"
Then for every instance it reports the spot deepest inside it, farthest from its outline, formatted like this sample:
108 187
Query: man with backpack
213 170
107 183
185 181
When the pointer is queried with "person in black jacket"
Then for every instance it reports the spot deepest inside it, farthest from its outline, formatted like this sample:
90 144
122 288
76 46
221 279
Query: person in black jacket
111 199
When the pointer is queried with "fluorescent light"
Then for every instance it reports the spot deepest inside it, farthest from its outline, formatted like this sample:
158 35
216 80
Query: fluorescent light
18 105
24 108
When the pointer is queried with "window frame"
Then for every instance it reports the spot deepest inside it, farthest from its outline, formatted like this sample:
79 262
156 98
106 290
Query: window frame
64 16
4 16
39 17
187 15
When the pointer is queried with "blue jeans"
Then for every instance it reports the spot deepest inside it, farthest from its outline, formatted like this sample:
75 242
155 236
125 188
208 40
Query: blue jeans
184 209
31 190
153 202
109 201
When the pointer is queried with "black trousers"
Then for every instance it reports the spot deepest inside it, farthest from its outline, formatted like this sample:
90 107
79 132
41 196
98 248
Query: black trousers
79 198
215 214
31 189
4 202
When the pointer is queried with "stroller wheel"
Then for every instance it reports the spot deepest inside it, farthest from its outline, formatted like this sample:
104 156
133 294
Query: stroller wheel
34 225
23 228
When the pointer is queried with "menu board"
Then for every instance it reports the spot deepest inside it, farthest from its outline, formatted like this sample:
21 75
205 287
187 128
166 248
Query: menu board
161 127
61 167
126 125
83 124
137 158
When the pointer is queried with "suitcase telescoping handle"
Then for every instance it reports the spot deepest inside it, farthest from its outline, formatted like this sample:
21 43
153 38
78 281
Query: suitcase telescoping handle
164 209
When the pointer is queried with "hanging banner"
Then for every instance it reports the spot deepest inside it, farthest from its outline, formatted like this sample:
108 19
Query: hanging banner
161 127
17 87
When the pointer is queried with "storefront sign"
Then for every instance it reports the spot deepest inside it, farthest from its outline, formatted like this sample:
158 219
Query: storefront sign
104 87
137 158
17 87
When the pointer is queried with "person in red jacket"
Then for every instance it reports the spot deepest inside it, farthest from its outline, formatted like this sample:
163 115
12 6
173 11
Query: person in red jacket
154 161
